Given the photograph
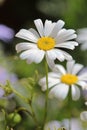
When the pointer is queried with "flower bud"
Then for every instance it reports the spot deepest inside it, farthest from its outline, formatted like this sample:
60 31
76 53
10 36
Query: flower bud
14 117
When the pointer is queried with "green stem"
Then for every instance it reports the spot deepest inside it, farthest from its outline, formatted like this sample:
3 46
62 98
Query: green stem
70 107
33 113
46 100
18 94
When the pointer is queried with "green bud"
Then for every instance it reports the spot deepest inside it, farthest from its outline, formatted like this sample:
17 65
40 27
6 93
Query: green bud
7 88
14 117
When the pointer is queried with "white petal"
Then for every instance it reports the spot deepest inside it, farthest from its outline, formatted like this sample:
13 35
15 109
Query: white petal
69 66
50 60
83 77
76 124
25 54
75 92
39 25
54 75
82 35
37 56
25 46
51 82
81 38
52 125
77 68
63 39
59 54
51 54
59 91
59 69
83 84
84 46
69 45
27 35
33 55
83 115
57 28
67 56
34 32
48 27
63 33
42 81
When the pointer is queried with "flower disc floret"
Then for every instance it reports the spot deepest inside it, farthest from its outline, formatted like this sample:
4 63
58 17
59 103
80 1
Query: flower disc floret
46 43
69 79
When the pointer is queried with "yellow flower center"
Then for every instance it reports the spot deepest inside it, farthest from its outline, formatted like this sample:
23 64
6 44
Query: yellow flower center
46 43
69 79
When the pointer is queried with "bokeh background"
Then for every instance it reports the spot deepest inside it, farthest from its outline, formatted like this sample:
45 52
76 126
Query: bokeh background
17 14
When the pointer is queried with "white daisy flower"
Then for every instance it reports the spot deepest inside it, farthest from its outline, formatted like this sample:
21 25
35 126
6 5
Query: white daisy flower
82 38
64 124
48 40
52 125
60 80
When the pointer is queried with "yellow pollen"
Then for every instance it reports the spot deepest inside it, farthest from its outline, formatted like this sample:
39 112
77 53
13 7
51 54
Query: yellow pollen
69 79
46 43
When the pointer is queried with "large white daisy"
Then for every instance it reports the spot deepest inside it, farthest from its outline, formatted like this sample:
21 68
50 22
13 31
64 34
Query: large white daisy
48 40
60 80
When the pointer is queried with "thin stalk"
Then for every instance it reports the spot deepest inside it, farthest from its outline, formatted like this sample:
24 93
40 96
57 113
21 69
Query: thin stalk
33 113
69 102
46 100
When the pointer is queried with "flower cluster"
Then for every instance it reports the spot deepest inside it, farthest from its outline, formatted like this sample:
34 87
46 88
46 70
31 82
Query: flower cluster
50 42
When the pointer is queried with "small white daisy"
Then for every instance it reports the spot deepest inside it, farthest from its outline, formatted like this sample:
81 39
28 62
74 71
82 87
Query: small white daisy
82 38
49 40
64 124
60 80
52 125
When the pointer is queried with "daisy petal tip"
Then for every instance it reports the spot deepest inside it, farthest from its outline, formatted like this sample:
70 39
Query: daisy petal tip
77 44
17 48
37 20
61 21
70 58
19 33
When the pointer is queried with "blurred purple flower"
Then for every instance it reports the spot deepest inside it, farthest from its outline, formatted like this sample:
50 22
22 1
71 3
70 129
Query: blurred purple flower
5 75
6 33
